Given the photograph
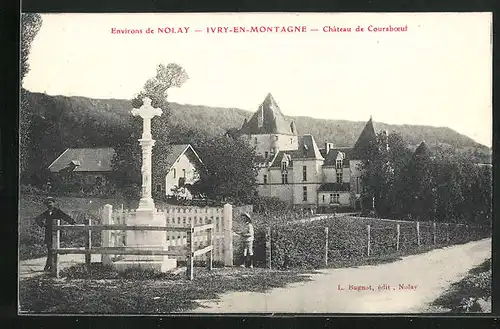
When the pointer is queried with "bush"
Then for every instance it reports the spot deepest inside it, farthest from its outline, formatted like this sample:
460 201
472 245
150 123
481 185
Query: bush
31 236
303 244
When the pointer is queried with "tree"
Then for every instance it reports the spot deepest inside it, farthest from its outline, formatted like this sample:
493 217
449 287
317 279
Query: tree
229 171
381 168
30 25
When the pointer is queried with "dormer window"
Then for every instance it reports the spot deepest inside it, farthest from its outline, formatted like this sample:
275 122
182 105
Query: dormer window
338 164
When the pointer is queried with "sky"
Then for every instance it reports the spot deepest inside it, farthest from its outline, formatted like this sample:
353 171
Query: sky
438 72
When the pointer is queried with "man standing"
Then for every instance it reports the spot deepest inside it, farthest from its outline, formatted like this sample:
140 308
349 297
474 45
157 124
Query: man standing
248 237
46 220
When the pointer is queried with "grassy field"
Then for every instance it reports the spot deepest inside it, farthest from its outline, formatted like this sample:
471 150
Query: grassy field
108 292
472 294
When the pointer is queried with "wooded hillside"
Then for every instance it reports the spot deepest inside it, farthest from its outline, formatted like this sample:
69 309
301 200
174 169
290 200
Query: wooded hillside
60 122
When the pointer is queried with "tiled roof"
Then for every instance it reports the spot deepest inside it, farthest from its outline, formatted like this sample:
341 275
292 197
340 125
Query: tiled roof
84 160
176 151
331 157
277 160
422 153
422 150
334 187
366 140
268 119
308 149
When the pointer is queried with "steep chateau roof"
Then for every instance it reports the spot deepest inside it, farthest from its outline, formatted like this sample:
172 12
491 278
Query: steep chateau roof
366 139
331 157
279 157
268 119
308 149
422 151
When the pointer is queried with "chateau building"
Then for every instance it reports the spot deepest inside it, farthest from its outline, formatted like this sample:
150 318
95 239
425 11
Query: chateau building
295 169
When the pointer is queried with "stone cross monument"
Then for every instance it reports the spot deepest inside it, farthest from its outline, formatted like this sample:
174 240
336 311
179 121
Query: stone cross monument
146 112
146 214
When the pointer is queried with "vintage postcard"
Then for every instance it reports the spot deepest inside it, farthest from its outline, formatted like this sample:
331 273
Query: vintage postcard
257 163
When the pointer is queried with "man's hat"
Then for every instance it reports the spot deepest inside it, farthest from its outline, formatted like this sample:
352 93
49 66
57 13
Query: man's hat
49 199
246 215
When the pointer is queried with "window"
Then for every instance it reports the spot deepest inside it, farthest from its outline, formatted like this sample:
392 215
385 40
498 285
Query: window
182 181
265 179
158 188
304 193
291 140
266 154
284 177
334 198
339 177
304 173
323 198
283 166
174 173
255 140
276 137
338 164
357 184
184 173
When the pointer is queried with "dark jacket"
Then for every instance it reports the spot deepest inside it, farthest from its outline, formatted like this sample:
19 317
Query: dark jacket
47 219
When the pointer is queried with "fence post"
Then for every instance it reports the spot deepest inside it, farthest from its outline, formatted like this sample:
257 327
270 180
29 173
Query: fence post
106 219
210 240
398 229
368 244
418 234
268 248
228 234
190 253
326 246
55 250
434 233
88 245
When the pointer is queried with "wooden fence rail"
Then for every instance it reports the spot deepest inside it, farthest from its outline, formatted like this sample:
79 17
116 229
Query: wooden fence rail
88 251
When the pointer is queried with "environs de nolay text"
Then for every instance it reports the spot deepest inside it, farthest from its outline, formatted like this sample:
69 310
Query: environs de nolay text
257 29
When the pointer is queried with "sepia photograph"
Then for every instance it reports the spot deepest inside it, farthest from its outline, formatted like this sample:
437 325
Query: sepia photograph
255 163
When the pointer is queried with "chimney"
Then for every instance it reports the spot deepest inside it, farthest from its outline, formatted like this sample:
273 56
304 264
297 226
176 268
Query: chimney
260 118
328 147
386 139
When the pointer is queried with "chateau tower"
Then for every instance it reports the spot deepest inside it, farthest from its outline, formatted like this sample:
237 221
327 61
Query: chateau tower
269 130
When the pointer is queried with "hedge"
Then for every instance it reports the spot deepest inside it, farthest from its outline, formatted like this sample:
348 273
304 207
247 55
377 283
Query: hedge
303 244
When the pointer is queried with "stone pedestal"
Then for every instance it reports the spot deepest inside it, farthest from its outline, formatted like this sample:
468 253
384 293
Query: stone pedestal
152 240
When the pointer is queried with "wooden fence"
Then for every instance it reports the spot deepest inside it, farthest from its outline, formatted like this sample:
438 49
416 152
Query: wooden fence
189 254
179 216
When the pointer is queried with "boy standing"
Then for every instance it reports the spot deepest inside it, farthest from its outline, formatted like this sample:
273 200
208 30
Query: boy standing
248 237
46 220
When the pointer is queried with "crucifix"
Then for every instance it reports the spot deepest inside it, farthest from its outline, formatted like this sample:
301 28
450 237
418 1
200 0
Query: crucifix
146 112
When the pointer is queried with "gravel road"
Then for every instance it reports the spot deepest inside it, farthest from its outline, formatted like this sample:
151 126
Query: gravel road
405 286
